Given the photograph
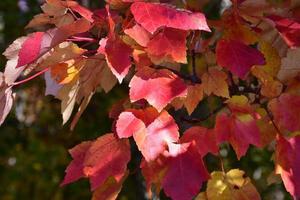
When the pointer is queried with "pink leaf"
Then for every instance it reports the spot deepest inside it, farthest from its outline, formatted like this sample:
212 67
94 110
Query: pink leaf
154 15
30 49
128 124
152 132
238 57
158 87
158 135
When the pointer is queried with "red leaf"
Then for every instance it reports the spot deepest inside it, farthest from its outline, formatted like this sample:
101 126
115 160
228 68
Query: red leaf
185 175
288 162
154 15
203 139
239 130
168 46
98 160
289 30
238 57
30 49
286 111
75 169
117 55
158 87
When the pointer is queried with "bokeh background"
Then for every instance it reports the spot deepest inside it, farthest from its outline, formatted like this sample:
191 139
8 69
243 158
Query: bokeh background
33 142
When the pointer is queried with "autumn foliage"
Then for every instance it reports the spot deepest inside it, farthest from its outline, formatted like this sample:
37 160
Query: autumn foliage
171 57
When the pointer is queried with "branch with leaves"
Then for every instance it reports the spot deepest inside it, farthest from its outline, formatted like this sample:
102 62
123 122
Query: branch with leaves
172 58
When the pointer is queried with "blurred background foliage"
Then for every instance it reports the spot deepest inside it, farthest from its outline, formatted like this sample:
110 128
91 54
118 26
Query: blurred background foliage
33 142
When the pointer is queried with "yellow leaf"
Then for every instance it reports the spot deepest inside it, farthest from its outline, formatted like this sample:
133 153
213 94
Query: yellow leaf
66 72
110 189
270 87
214 82
241 32
239 101
231 186
272 58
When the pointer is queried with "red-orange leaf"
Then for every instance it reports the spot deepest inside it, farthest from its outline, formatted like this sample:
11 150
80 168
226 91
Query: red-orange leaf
158 87
204 140
139 34
154 15
168 46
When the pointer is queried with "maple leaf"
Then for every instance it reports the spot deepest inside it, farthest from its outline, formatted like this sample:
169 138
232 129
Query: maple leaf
151 131
30 49
6 98
114 154
168 46
139 34
232 185
185 174
194 96
289 29
286 111
62 53
117 55
158 87
287 163
154 172
215 82
270 87
235 29
166 16
202 138
238 57
239 128
289 65
11 73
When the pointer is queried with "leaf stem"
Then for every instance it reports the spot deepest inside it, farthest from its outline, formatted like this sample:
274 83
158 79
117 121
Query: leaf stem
31 77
